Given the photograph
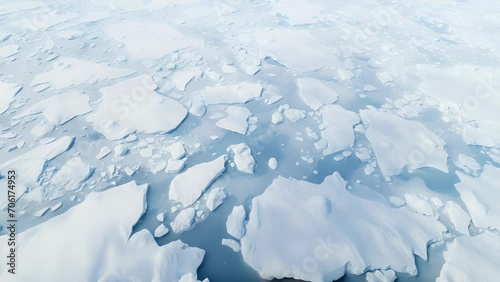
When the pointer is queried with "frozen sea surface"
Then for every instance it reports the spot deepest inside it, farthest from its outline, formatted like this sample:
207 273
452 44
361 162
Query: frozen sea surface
230 140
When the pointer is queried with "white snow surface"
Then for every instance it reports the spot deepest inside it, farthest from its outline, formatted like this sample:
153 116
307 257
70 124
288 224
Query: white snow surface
316 93
234 223
346 230
243 157
480 196
68 72
91 256
188 186
400 143
150 40
232 94
132 105
472 259
61 108
338 129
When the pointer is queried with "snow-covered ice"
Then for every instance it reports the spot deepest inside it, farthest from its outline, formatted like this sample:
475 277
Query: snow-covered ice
480 196
89 255
132 105
187 187
472 259
234 223
232 94
346 230
243 158
400 143
316 93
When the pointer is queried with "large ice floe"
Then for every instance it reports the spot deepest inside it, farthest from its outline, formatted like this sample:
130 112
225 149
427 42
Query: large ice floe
318 232
102 246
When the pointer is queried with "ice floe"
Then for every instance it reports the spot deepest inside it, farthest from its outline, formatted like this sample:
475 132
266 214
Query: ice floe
279 243
316 93
68 72
480 195
187 187
338 124
472 259
400 143
243 157
93 257
236 119
150 40
132 106
232 94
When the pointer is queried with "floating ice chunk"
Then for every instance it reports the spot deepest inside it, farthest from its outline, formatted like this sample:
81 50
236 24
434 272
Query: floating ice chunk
72 173
235 246
315 93
8 90
243 157
294 115
183 77
273 163
296 49
150 40
346 231
56 207
133 105
345 74
161 231
274 99
277 118
68 72
399 143
9 50
459 218
61 108
183 220
481 195
338 129
385 77
175 166
103 152
187 187
113 213
236 120
215 198
234 223
177 150
472 259
381 276
369 88
120 150
232 94
41 212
